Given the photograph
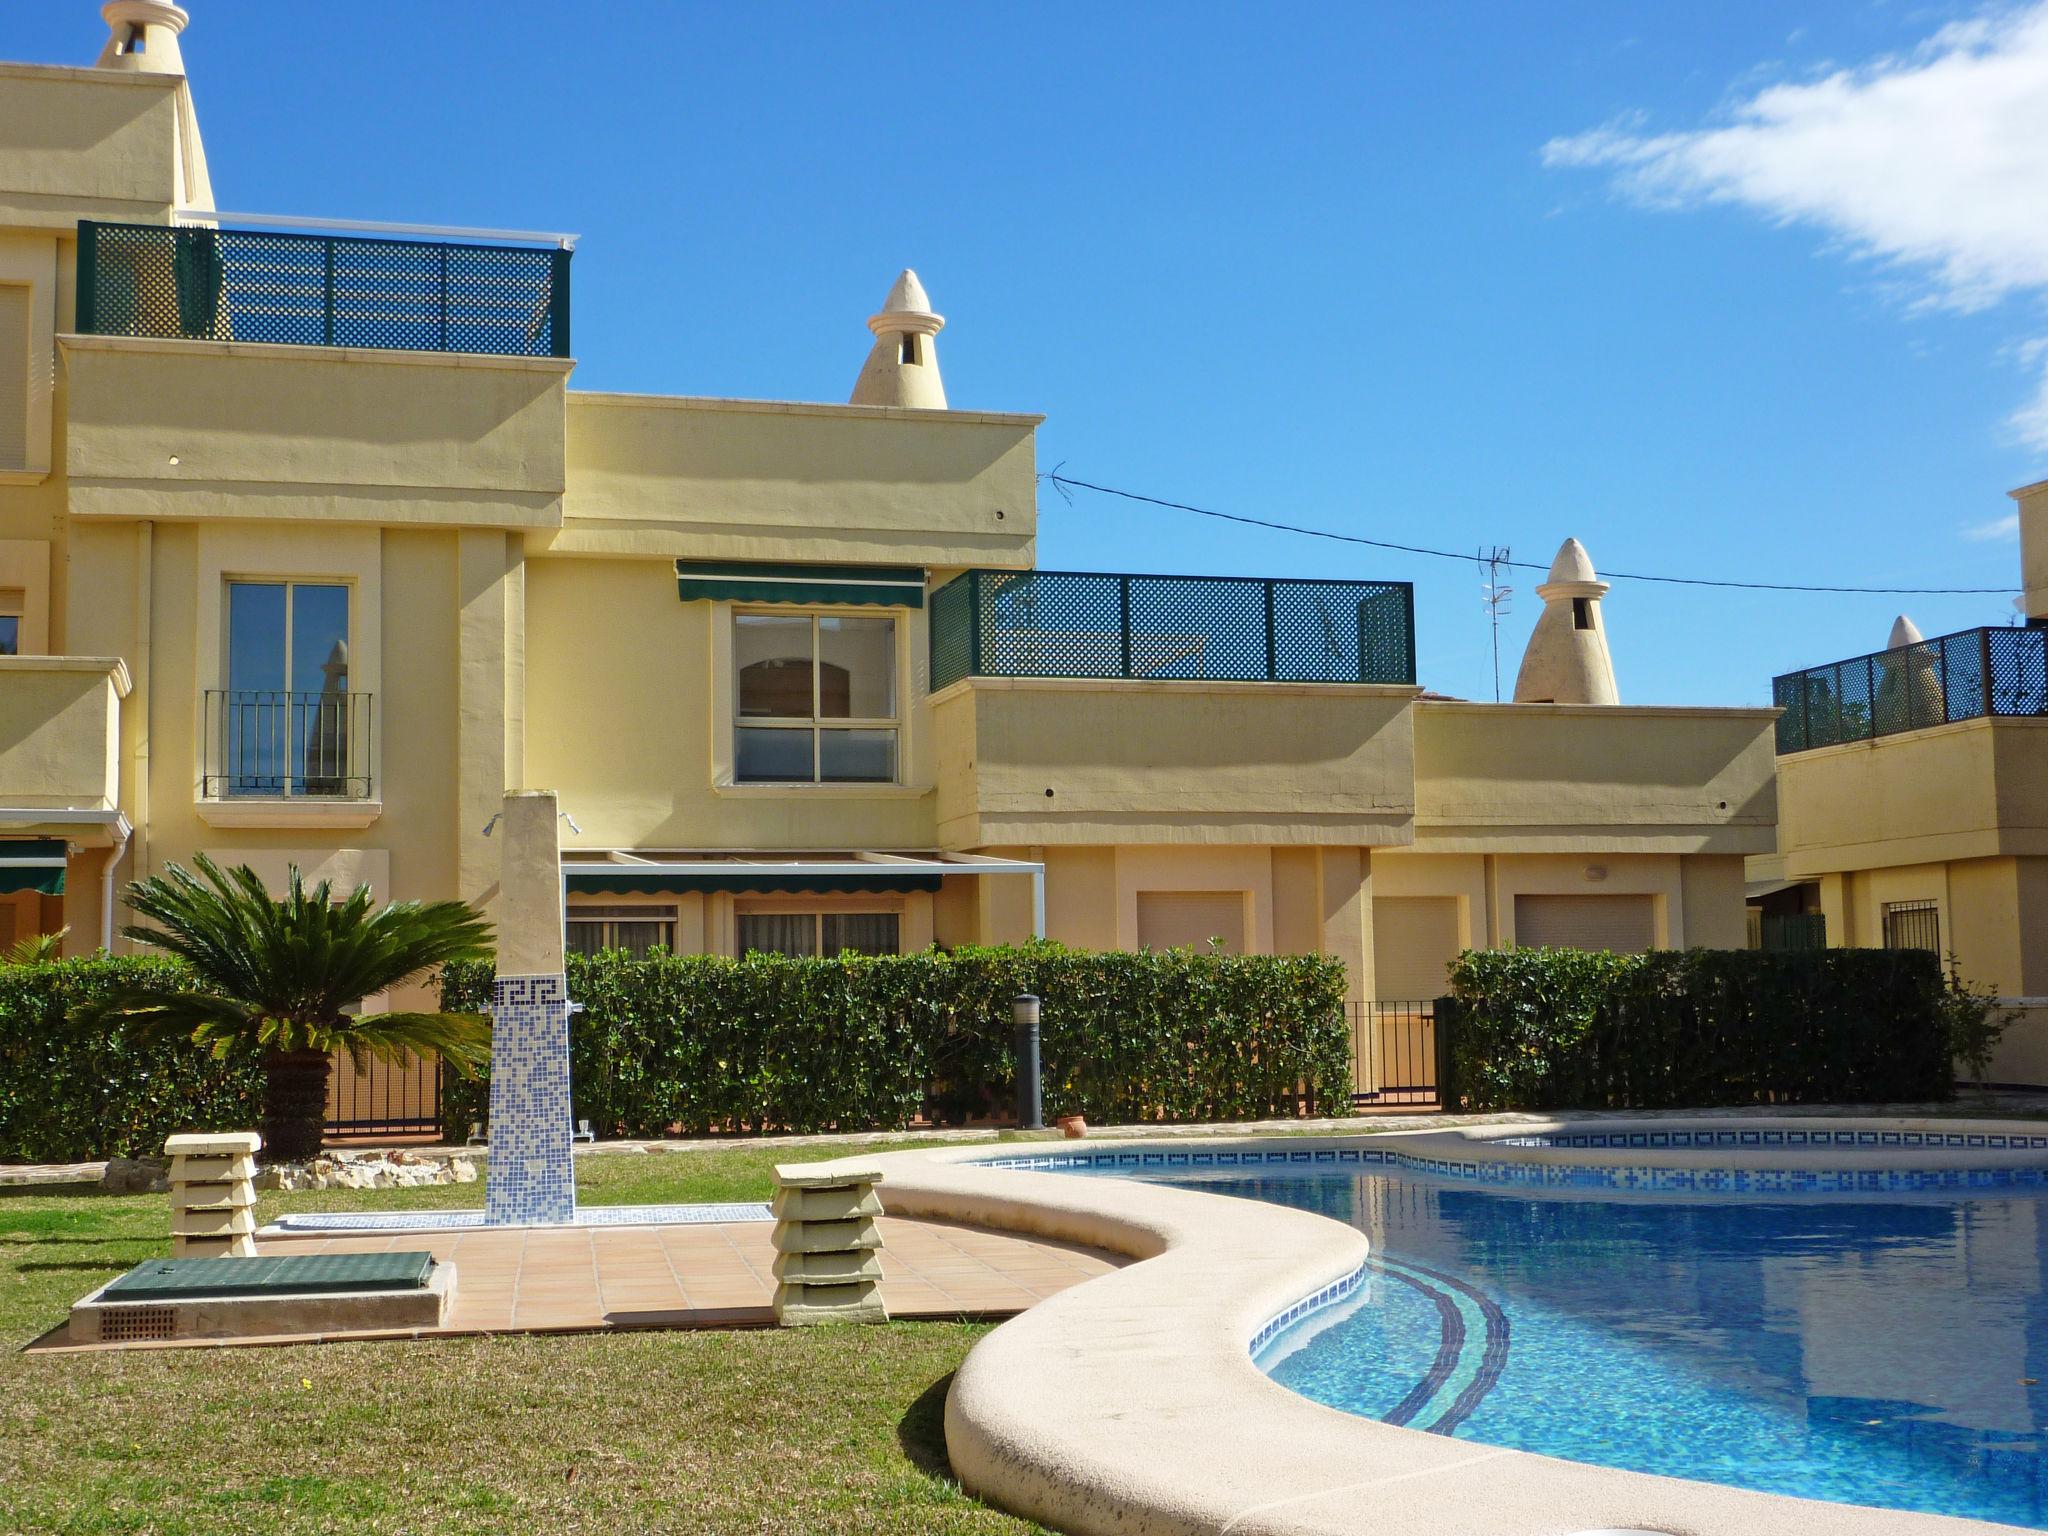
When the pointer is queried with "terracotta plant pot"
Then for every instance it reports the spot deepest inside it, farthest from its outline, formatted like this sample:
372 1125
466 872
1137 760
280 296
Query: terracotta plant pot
1073 1127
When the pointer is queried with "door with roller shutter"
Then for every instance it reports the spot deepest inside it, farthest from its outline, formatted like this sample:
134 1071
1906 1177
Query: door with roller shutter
1626 925
1190 919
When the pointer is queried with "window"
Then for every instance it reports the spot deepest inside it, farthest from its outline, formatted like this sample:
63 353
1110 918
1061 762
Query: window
1582 613
14 391
908 352
816 699
13 605
1912 925
636 930
819 933
286 721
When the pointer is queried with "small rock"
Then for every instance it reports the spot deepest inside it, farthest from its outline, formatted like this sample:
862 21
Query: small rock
136 1176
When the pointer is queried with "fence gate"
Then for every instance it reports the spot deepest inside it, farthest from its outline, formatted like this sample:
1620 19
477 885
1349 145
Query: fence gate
386 1100
1393 1053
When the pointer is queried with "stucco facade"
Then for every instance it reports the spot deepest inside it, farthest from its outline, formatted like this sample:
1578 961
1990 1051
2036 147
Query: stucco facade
548 589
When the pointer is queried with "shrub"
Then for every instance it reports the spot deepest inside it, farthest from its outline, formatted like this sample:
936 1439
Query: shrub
772 1043
1566 1029
71 1092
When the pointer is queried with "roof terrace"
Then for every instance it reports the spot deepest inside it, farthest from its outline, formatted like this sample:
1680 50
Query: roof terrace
1968 675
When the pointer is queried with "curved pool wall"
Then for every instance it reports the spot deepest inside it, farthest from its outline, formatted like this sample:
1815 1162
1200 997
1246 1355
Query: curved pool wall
1132 1403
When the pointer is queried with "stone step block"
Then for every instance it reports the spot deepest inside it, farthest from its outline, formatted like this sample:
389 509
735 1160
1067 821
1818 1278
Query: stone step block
213 1197
803 1306
213 1144
236 1222
241 1246
827 1236
211 1170
819 1269
824 1176
843 1204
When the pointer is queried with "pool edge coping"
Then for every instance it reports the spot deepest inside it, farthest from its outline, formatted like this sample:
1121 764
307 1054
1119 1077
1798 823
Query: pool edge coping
1131 1403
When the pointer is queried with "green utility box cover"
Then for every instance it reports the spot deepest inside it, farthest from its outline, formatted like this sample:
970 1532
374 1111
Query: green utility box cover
316 1274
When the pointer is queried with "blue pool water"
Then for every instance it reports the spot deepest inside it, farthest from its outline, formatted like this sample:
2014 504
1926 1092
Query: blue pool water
1868 1350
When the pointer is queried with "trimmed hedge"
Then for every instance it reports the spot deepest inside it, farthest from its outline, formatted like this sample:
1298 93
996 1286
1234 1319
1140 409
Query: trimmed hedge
1568 1029
867 1042
69 1094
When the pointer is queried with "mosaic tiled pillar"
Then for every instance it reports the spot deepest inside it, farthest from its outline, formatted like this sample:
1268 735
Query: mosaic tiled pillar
530 1179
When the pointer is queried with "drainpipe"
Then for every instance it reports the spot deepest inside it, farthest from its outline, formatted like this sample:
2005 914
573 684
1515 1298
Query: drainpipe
120 846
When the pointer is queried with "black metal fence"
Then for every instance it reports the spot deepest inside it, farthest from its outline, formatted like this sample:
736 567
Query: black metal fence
275 742
1792 930
1964 676
385 1100
1394 1050
1077 624
321 290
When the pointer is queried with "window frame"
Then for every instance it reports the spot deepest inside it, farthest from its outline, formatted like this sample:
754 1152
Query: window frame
817 723
1921 907
610 917
817 916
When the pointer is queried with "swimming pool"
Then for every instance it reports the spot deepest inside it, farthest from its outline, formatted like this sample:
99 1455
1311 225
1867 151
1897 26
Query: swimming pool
1882 1348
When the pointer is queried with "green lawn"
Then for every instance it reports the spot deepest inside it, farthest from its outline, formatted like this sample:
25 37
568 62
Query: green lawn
822 1430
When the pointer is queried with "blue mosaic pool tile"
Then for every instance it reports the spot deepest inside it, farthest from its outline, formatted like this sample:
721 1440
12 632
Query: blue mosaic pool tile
1336 1290
531 1180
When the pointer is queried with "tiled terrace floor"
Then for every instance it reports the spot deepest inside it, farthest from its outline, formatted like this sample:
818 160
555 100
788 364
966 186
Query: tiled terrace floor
702 1276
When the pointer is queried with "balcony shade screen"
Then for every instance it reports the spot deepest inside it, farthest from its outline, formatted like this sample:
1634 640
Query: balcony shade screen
741 581
621 882
33 864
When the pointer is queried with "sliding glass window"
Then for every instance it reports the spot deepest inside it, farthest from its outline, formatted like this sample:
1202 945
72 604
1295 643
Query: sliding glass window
816 699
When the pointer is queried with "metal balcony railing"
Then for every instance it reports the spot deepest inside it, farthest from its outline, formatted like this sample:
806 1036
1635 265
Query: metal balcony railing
275 744
1964 676
1195 628
208 284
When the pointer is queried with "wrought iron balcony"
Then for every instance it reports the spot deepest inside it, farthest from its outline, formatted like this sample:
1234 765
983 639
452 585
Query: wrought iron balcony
274 744
209 284
1070 624
1965 676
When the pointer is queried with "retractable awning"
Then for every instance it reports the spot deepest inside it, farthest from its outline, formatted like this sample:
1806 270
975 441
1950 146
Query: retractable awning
757 581
32 864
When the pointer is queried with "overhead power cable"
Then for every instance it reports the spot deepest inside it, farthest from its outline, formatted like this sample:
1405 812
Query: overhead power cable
1065 482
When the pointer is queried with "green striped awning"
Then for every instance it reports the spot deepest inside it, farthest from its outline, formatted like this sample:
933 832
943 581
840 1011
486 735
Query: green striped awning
32 864
758 581
619 882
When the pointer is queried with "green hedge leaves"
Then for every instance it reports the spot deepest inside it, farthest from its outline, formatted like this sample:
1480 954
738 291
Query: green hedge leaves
69 1093
1567 1029
770 1043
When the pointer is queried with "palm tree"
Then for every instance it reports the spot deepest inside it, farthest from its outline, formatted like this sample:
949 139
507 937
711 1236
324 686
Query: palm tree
36 949
280 977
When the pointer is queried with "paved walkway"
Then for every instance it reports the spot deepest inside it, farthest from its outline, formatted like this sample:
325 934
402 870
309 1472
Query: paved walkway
543 1280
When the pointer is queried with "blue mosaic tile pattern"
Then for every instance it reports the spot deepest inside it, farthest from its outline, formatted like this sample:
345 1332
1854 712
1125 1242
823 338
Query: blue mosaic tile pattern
531 1179
586 1216
1768 1181
1336 1290
1785 1137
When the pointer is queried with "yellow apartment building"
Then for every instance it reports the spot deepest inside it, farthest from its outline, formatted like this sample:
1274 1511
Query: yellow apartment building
1913 803
309 553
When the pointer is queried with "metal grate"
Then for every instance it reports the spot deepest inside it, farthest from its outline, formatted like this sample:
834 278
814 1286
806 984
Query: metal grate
1964 676
135 1325
1191 628
1792 930
385 1100
1912 925
322 290
273 742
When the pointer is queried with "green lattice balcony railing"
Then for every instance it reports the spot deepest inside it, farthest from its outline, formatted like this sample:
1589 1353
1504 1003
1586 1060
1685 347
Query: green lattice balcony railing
200 284
1193 628
1964 676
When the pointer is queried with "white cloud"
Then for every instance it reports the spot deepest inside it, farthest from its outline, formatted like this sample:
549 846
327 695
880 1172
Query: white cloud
1933 162
2007 527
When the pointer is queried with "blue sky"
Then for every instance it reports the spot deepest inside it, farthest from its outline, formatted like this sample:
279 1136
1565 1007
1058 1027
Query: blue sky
1741 290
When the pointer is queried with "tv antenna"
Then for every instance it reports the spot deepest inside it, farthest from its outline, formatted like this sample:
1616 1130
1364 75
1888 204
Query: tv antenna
1497 599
